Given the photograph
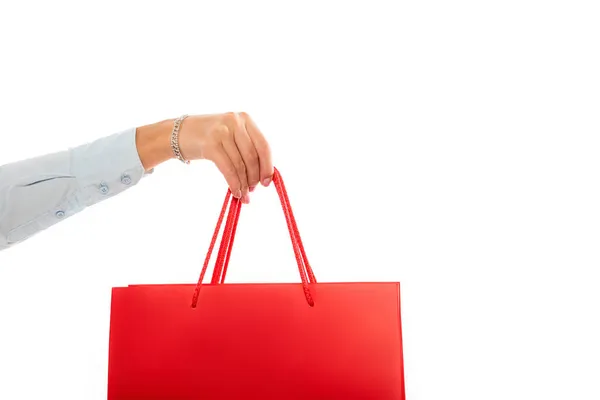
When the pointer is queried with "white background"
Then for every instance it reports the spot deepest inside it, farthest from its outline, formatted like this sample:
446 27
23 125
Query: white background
449 145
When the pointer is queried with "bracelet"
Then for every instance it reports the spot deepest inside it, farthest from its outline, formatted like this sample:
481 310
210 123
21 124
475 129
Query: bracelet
175 139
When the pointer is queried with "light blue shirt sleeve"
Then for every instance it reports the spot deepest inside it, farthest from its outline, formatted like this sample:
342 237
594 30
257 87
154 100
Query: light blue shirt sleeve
39 192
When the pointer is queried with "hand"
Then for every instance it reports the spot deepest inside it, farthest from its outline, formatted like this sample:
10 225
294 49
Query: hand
231 140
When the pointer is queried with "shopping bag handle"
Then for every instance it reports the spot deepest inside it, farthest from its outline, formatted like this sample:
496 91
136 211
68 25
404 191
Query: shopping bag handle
235 205
224 253
231 225
230 229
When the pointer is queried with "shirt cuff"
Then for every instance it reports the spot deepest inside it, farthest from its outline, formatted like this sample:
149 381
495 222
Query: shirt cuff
106 167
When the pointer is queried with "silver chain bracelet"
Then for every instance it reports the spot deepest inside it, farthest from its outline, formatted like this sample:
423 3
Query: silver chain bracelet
175 139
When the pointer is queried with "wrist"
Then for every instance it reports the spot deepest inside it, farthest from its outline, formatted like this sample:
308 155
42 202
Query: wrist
153 143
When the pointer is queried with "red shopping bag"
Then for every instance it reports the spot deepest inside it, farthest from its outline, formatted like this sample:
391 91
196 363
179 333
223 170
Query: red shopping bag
309 341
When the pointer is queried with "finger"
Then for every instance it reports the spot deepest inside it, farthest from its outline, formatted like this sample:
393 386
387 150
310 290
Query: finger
238 163
262 149
225 165
248 152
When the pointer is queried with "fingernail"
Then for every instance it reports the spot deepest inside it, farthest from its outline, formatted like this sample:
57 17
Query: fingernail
246 199
237 194
252 188
266 182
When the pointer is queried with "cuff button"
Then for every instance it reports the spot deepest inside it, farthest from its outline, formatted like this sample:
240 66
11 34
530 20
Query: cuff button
103 188
126 179
60 214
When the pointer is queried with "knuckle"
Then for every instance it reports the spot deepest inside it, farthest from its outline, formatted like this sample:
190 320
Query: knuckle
223 131
252 157
231 119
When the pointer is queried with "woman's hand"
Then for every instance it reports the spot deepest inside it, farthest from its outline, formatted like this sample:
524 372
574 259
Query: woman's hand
232 141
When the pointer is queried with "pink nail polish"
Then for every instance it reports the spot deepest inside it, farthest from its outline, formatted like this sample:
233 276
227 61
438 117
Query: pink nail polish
266 182
252 188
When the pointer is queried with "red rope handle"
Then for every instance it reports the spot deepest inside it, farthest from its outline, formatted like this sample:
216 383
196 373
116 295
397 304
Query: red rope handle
302 264
279 183
210 248
220 271
235 222
226 245
306 273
